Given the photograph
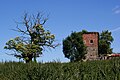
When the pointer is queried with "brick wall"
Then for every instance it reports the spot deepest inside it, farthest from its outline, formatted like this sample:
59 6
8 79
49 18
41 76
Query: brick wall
91 42
91 39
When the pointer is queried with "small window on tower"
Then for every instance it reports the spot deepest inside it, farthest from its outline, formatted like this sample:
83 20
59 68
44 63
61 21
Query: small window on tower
91 41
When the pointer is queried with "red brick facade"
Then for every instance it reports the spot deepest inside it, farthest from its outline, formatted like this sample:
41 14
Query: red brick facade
91 42
91 39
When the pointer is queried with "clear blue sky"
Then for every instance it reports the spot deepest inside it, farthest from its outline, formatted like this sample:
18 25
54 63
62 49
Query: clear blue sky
65 16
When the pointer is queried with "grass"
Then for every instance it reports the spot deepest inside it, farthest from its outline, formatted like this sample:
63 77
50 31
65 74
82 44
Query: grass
91 70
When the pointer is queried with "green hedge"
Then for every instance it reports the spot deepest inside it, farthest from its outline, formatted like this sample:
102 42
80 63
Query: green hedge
91 70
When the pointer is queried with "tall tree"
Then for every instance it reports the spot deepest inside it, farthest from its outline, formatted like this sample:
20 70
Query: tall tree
105 40
73 46
34 39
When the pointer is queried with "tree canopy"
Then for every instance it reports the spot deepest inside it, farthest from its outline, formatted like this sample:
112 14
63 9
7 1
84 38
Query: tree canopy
34 39
73 46
105 40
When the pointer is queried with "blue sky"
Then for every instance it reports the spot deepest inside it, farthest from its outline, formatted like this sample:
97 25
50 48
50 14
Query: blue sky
65 16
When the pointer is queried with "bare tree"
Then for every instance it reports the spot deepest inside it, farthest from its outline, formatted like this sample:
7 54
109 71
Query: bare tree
34 39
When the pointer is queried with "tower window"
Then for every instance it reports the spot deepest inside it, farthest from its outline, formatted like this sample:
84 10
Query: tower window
91 41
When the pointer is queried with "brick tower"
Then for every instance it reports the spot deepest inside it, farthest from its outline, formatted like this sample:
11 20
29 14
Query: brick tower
91 42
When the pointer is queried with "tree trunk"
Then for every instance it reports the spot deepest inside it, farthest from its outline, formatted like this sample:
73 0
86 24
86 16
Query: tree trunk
29 60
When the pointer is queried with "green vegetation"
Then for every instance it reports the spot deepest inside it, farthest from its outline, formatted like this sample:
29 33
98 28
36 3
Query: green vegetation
34 39
91 70
105 40
73 46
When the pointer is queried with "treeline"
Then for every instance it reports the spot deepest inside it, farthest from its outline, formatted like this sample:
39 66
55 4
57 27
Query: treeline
91 70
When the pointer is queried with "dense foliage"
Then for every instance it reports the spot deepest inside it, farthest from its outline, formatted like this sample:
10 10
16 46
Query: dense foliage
105 40
91 70
34 39
73 46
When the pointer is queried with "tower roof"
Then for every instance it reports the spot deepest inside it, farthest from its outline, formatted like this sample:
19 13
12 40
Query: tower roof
91 33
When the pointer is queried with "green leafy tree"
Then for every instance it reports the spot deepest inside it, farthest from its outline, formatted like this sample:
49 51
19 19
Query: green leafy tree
105 40
34 40
73 46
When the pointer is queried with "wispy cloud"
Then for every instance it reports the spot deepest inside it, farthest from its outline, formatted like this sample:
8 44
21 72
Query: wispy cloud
116 9
116 29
